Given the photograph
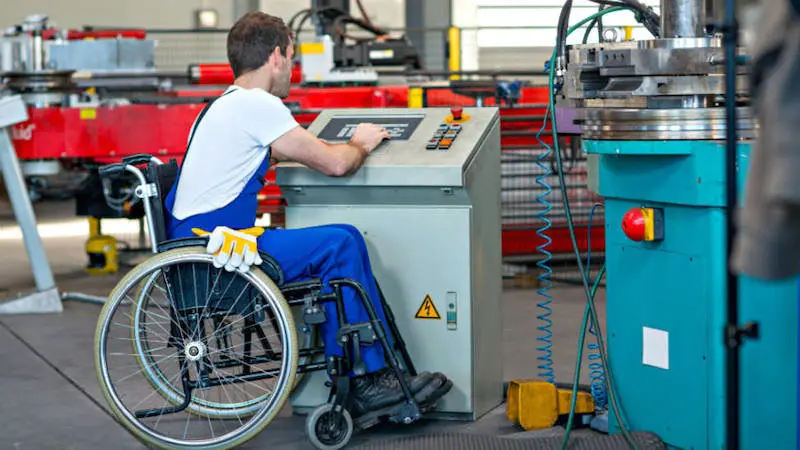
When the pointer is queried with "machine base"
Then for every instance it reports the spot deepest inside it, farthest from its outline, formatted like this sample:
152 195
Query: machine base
44 302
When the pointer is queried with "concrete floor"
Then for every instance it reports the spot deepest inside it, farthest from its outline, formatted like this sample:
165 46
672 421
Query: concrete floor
49 395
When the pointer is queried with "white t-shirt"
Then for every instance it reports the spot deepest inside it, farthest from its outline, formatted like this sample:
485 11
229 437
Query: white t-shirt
229 144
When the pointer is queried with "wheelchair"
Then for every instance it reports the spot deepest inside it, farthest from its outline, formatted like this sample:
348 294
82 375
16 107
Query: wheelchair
200 346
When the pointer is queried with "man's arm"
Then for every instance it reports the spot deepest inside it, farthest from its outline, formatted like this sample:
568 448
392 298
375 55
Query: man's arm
335 160
272 124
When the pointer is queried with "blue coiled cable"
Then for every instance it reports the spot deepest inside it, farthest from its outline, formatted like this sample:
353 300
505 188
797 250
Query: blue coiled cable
597 374
546 352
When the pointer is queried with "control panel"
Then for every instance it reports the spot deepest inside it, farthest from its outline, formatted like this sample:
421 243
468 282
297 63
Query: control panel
428 147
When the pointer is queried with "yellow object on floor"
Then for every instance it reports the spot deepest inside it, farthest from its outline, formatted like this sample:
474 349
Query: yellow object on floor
537 405
101 250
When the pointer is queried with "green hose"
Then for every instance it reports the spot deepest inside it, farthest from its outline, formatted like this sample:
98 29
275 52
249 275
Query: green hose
590 307
584 322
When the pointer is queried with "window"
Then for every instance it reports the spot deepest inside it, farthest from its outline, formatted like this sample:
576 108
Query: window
532 23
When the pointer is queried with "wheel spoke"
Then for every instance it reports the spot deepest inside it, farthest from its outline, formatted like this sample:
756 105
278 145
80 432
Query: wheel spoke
169 314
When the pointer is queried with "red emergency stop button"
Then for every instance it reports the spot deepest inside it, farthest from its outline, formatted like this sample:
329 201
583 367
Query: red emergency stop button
457 112
633 224
644 224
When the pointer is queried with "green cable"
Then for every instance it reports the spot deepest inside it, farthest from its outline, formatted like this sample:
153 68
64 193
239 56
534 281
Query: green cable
579 359
585 275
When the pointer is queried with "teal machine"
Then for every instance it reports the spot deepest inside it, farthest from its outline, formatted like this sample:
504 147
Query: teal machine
651 118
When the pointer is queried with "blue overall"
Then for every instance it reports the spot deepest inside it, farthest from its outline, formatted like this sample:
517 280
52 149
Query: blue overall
324 252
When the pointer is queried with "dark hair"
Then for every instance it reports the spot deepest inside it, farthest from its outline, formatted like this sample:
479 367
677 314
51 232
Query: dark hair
252 40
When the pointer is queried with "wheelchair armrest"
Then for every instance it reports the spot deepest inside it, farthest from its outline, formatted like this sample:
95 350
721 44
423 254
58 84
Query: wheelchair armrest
269 266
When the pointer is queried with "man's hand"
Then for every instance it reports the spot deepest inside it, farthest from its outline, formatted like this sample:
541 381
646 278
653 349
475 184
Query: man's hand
335 160
232 249
368 136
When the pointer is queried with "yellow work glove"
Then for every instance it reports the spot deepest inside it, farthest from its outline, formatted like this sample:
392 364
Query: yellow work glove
233 249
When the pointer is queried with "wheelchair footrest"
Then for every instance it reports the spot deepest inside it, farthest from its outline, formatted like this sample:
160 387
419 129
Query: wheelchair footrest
403 413
357 334
365 332
314 315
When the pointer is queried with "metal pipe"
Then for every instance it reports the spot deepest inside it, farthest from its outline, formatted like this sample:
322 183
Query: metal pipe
144 193
85 298
683 18
37 55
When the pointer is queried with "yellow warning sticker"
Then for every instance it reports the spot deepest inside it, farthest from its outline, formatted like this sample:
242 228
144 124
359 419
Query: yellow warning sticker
88 114
427 310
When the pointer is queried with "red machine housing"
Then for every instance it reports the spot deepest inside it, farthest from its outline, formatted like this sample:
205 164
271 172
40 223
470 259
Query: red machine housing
107 133
74 35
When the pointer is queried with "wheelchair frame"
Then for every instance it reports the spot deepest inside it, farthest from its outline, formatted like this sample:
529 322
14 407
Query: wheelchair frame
154 181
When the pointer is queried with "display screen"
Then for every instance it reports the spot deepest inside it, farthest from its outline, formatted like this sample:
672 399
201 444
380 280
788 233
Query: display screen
400 127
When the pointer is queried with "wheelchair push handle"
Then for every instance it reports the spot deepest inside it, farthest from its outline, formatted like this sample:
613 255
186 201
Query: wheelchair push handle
129 164
141 158
111 170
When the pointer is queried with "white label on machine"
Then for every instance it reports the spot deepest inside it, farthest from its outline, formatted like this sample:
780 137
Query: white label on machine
655 348
381 54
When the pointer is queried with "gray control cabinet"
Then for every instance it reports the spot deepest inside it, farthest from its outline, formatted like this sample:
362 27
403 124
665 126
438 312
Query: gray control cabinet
431 221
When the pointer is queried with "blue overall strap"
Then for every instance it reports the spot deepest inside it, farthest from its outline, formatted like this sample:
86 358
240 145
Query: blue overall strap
194 128
197 123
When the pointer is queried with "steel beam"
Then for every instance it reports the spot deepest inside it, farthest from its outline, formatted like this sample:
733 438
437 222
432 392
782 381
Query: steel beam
46 299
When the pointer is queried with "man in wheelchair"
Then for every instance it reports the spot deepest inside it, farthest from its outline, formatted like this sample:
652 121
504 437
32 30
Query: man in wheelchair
232 144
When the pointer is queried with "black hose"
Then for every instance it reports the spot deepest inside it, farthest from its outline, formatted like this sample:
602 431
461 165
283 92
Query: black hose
644 14
290 24
598 21
563 27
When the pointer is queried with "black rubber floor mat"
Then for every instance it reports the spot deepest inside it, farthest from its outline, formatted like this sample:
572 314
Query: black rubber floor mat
466 441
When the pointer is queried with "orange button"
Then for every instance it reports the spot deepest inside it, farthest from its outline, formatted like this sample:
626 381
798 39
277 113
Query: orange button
446 142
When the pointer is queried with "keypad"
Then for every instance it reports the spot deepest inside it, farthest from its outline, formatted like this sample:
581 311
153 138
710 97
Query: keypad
443 137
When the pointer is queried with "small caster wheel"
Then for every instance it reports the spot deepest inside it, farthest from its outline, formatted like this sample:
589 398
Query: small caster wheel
329 430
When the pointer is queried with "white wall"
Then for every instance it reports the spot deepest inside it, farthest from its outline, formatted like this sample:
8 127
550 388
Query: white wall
139 13
465 15
172 13
384 13
520 34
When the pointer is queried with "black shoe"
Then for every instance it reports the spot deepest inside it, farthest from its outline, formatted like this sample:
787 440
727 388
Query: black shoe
434 390
415 384
380 389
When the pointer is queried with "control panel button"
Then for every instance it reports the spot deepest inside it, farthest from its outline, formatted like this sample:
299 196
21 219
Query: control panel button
445 143
450 135
457 112
455 127
433 144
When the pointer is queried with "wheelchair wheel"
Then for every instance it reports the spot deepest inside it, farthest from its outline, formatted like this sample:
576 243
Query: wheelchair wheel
200 348
328 429
143 353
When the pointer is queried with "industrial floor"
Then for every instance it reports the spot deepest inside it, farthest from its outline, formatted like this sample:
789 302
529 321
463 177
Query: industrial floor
49 397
